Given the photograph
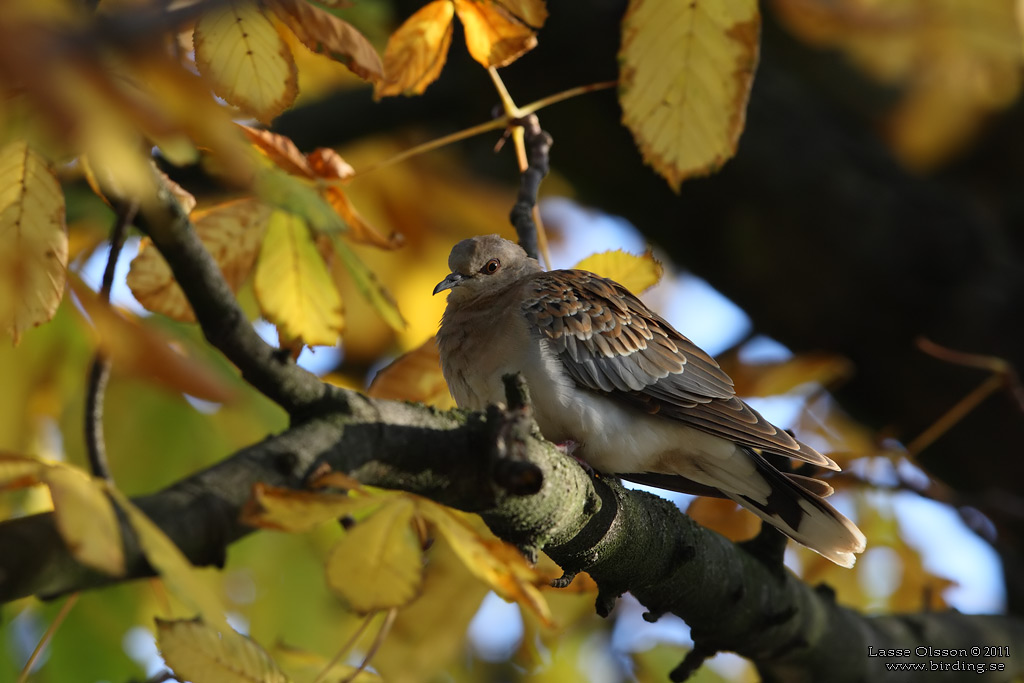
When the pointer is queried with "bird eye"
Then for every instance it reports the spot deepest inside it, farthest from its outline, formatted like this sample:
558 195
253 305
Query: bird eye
491 266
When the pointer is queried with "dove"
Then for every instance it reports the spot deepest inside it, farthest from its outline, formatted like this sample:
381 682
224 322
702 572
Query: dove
633 396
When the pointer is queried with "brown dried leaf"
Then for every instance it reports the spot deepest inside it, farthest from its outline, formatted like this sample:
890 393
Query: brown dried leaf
322 32
280 150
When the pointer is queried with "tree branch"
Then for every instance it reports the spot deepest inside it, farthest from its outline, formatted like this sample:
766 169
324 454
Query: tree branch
626 540
223 323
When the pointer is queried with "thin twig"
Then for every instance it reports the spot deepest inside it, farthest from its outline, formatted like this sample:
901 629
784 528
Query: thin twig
54 625
344 648
99 369
385 628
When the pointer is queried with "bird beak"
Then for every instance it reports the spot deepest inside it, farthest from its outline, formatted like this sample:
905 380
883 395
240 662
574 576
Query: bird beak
452 280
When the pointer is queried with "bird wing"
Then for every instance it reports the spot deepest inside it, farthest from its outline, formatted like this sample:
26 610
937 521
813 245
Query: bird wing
610 342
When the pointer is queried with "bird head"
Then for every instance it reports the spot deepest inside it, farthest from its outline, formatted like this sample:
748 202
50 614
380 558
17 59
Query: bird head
485 264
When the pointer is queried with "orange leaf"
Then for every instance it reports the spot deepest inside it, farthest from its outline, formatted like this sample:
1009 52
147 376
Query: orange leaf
280 150
322 32
416 52
494 35
137 349
326 163
414 376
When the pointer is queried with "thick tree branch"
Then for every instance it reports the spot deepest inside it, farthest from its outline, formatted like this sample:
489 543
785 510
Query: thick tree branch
223 323
626 540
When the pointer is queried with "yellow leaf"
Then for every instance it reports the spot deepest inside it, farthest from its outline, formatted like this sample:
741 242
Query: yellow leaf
725 517
19 471
685 79
300 511
85 518
635 273
198 653
431 631
378 564
138 349
238 48
498 564
323 32
416 51
494 35
173 567
369 286
306 666
293 285
33 240
414 376
231 232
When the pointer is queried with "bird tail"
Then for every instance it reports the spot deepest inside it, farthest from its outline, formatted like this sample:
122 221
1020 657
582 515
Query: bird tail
797 508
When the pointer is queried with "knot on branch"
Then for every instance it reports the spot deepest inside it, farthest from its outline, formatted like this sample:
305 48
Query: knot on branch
512 428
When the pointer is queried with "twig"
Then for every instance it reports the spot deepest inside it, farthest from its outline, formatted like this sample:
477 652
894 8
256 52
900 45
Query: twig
54 625
99 369
385 628
344 648
538 147
222 320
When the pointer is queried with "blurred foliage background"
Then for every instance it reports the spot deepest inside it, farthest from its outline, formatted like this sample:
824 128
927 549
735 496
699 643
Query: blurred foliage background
874 201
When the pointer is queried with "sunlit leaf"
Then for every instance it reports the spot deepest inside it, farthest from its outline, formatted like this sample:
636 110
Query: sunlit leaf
138 349
416 51
325 33
238 48
293 285
414 376
300 511
685 79
184 197
280 150
494 35
429 633
231 232
369 286
498 564
635 273
86 519
378 563
174 568
33 240
198 653
333 170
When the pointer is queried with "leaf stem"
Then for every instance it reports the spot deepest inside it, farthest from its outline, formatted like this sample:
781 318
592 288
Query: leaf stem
54 625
